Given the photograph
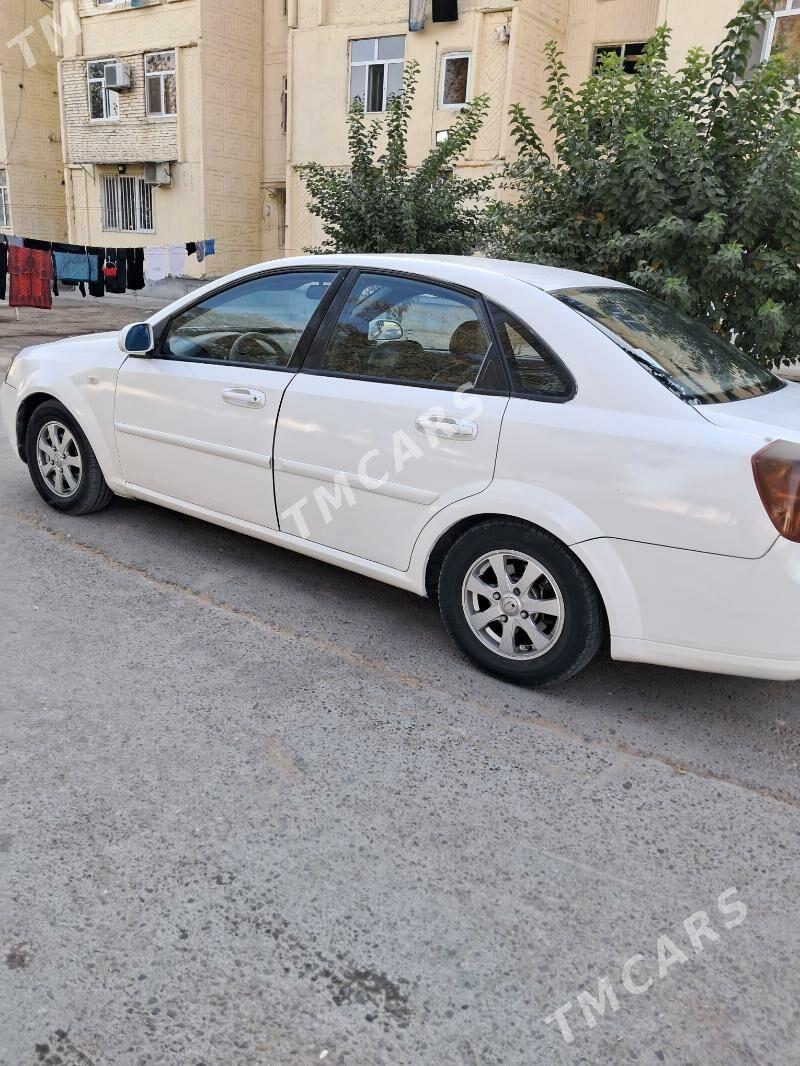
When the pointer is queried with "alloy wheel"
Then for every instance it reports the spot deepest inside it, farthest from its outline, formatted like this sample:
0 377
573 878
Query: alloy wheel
59 459
513 605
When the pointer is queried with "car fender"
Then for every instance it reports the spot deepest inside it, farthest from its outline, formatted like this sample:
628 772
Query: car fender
557 516
89 398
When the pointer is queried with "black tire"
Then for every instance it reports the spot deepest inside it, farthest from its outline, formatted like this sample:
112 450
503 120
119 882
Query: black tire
575 634
92 492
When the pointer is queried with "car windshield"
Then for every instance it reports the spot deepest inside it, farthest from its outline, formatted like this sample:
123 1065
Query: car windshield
694 362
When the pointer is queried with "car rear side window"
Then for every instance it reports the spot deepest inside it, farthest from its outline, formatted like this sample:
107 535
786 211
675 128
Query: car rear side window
408 331
687 357
535 371
257 322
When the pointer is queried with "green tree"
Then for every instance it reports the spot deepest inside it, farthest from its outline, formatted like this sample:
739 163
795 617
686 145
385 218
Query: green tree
686 185
381 204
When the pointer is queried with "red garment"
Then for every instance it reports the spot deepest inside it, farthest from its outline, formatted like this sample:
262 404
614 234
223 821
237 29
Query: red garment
30 278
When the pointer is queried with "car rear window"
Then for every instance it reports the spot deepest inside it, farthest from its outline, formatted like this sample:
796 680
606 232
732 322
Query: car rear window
687 357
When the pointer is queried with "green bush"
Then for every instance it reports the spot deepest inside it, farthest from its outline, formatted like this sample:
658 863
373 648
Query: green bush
686 185
381 204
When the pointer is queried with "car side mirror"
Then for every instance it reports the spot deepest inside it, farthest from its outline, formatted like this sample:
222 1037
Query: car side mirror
385 329
137 339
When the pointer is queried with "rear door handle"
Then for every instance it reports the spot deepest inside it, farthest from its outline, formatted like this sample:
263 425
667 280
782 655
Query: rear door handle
445 426
244 397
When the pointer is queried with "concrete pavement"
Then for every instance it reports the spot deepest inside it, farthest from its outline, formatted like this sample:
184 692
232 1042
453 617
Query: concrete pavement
257 810
71 316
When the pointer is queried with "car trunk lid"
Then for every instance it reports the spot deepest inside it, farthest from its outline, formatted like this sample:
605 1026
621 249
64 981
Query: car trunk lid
776 415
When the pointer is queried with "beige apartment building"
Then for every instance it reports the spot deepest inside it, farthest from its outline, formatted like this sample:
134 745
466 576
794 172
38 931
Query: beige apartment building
31 171
493 47
185 119
171 118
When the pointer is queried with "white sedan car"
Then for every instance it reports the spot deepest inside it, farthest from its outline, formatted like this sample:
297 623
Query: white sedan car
551 455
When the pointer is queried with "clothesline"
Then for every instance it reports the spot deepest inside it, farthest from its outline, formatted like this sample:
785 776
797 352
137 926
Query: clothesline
35 268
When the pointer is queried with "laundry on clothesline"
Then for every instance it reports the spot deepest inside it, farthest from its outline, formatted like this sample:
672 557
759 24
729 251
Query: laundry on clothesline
30 271
101 270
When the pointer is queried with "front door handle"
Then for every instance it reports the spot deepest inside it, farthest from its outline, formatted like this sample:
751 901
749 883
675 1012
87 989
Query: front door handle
244 397
445 426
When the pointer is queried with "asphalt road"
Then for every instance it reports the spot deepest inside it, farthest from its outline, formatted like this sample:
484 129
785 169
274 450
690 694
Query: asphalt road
256 810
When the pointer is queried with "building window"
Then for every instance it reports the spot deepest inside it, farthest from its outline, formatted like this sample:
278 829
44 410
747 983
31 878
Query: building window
454 88
103 102
5 206
376 70
783 30
126 204
630 54
160 85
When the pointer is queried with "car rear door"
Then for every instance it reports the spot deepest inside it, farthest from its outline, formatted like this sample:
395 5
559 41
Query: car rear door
395 414
195 421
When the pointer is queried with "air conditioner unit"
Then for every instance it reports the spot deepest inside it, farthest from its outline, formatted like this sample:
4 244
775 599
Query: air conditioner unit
118 76
157 174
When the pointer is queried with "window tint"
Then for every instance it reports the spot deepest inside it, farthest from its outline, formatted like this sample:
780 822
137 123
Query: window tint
684 355
533 368
258 322
411 331
455 80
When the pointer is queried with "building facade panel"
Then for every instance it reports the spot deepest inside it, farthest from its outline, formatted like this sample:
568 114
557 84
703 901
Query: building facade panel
131 138
30 129
232 62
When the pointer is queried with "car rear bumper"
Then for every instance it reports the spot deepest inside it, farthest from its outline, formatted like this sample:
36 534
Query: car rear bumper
712 662
699 611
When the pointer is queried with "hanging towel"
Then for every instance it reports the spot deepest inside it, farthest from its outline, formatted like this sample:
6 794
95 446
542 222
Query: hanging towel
416 15
209 246
200 250
135 264
177 260
15 242
191 247
156 264
3 266
31 271
445 10
72 266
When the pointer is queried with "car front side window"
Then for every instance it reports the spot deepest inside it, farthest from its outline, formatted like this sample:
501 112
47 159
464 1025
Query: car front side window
408 331
257 322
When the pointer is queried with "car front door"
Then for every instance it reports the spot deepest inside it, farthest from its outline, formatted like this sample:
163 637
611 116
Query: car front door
395 414
195 421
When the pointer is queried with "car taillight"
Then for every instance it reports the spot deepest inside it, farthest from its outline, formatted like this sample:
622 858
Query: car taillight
777 471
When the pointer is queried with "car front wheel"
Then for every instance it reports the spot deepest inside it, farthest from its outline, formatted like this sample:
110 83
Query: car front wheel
519 603
61 462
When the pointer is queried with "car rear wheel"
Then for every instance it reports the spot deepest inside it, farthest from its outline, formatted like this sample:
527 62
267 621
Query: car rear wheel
61 462
518 602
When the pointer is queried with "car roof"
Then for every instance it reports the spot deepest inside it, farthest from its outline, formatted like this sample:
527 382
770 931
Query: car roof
462 268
